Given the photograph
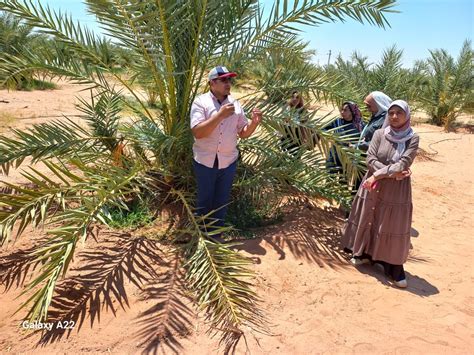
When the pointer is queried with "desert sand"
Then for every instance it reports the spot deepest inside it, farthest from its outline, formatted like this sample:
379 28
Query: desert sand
314 300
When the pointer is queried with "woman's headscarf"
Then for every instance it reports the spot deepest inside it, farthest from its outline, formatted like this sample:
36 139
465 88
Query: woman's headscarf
300 104
402 134
356 116
383 101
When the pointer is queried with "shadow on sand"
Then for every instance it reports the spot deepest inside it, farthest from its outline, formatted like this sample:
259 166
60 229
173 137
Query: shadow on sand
313 234
310 233
416 285
16 267
99 285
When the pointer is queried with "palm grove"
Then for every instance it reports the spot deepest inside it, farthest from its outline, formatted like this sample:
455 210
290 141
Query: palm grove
133 152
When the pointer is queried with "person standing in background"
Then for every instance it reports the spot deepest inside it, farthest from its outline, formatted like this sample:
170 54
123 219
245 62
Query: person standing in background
377 103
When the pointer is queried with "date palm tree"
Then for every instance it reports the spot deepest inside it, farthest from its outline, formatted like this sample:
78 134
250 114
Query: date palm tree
447 85
16 38
14 35
128 150
360 77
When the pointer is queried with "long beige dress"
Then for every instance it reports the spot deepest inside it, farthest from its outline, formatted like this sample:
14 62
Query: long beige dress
380 221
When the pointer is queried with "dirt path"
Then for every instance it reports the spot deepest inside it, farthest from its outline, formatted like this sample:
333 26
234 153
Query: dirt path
315 301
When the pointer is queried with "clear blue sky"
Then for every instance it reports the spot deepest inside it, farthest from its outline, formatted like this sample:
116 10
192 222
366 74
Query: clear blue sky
421 25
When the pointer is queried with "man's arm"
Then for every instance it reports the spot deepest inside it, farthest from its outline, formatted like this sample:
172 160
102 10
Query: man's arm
205 128
250 128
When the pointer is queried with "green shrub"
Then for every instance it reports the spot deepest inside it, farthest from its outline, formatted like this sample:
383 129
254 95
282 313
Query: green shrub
138 215
246 214
34 84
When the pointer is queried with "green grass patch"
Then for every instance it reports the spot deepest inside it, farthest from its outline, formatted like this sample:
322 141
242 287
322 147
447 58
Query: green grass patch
246 216
25 84
36 84
138 215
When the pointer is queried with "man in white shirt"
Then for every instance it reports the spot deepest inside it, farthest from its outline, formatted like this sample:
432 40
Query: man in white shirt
217 120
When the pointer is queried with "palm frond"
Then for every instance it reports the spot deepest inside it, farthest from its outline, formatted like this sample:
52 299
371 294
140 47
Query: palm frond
285 15
80 42
48 140
93 195
78 39
103 115
221 280
309 174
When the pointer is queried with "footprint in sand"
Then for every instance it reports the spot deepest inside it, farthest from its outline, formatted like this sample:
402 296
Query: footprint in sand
363 347
438 342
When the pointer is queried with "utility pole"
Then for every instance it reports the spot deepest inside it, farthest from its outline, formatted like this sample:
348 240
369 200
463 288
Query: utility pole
329 56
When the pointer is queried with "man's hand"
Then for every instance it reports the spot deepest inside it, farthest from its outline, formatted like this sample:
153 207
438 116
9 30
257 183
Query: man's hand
250 128
256 116
226 110
205 128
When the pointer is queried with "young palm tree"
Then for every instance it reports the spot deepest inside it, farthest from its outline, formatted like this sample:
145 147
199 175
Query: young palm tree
448 84
359 77
352 76
14 35
16 38
288 64
148 152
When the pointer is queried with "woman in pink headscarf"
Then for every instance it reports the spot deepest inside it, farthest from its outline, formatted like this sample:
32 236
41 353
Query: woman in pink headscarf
379 224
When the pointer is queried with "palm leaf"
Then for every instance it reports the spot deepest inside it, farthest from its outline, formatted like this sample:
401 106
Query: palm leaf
57 253
221 280
45 141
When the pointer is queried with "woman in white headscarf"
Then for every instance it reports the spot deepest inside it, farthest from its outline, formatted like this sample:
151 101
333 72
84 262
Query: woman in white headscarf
379 224
377 103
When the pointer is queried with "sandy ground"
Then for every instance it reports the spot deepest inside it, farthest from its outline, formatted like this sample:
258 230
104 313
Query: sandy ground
20 109
314 300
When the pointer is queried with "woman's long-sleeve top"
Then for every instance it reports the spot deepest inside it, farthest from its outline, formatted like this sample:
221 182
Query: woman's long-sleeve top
379 163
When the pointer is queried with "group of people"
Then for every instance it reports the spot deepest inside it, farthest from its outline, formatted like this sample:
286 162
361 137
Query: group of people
379 223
